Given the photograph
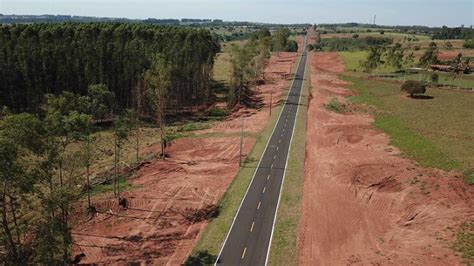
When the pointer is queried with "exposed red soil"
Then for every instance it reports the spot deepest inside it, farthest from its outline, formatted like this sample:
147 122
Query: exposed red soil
448 55
277 77
155 229
362 203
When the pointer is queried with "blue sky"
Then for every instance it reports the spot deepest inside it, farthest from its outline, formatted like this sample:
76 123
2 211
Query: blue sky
400 12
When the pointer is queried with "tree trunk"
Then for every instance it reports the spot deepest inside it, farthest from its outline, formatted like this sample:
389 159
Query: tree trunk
6 226
137 143
162 143
115 166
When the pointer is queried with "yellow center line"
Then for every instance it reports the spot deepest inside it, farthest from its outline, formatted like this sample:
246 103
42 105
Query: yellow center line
251 228
243 253
258 207
264 189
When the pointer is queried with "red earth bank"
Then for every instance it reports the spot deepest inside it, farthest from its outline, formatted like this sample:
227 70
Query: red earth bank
362 203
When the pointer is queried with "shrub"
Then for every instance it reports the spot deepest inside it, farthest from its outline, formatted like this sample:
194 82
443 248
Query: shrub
434 78
216 112
469 44
336 106
292 46
371 40
192 127
317 47
469 177
448 45
382 32
413 87
355 36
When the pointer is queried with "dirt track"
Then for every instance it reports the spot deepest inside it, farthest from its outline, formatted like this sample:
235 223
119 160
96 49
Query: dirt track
154 229
363 204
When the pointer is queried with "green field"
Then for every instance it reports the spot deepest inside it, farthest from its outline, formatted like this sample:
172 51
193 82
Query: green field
222 65
436 132
352 61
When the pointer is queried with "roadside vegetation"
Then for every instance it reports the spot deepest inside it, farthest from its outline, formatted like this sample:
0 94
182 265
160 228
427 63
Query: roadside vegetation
284 246
464 243
336 106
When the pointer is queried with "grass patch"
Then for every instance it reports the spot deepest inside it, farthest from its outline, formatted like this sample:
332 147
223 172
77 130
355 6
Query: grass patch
103 148
352 61
336 106
109 187
215 232
284 249
464 81
193 127
222 64
436 132
416 147
469 177
216 112
464 243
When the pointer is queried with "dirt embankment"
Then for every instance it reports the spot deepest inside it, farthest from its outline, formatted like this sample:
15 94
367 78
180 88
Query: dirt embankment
362 203
156 228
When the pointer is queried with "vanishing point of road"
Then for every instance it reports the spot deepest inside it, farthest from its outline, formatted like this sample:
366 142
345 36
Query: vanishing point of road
249 238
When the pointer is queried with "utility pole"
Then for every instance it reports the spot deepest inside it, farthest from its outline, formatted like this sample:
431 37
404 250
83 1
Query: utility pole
462 71
241 142
271 95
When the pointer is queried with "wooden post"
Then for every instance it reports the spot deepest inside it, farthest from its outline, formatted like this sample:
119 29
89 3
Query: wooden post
241 142
271 95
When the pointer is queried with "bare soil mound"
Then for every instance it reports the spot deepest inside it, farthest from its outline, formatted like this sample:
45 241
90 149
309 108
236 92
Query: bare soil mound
362 203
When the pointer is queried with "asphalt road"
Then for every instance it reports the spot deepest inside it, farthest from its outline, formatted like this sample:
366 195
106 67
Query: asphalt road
249 238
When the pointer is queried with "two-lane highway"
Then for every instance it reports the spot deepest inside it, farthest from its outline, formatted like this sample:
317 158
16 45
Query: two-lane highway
249 238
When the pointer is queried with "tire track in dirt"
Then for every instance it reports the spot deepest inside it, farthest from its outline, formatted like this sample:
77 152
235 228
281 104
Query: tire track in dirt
362 204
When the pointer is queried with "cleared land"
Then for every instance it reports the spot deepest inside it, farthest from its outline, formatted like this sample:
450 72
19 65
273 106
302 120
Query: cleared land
167 199
363 203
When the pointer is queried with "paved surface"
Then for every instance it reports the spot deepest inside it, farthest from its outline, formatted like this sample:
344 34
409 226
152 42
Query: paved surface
249 238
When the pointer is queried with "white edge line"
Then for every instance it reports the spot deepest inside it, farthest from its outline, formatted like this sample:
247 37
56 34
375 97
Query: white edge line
287 157
258 166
